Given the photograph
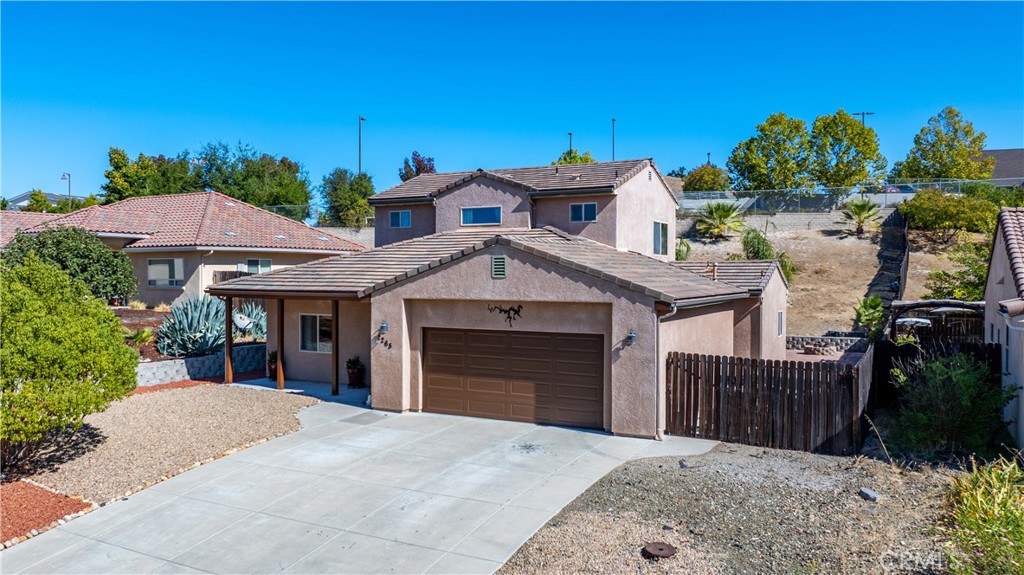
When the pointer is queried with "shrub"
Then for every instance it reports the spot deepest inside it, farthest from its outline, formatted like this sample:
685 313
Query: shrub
107 273
717 220
986 519
62 356
967 281
947 402
683 249
162 308
194 327
258 315
935 211
756 246
871 315
1011 197
860 212
136 305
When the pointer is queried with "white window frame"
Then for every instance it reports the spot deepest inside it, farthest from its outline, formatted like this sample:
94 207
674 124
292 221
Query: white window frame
177 266
391 219
462 215
319 344
583 212
663 251
260 268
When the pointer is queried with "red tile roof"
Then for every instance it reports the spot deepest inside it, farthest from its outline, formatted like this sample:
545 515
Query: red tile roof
207 219
1011 223
11 222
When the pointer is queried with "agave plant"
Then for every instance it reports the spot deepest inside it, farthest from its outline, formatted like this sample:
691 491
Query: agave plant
718 220
860 213
258 315
194 327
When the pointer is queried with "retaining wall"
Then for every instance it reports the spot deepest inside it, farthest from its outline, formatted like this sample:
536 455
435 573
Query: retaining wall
783 221
250 357
855 344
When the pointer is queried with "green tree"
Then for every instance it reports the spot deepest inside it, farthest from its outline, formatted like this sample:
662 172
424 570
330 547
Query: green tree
775 158
80 254
707 178
967 281
935 211
37 202
67 206
860 212
62 357
252 177
3 203
345 197
948 147
679 172
718 220
127 178
844 152
572 156
173 175
419 165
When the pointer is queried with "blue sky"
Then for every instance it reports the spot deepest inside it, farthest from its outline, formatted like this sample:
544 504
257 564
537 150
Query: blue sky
482 85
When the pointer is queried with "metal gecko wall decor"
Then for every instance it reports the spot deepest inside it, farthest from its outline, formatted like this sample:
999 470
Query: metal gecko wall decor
511 313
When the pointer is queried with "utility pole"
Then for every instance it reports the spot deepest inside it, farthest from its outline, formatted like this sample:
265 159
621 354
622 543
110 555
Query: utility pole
361 120
570 142
862 116
613 139
67 176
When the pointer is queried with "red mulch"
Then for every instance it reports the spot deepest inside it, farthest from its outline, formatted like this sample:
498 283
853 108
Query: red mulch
194 382
24 507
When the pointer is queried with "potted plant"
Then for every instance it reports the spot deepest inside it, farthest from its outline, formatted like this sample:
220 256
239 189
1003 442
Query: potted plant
272 364
356 372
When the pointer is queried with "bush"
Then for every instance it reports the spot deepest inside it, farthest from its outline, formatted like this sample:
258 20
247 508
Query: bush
194 327
860 212
986 519
871 315
967 281
1011 197
107 273
136 305
935 211
756 246
718 219
62 356
683 249
947 403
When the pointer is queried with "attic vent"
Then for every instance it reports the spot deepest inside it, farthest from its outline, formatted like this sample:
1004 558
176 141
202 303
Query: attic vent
281 237
230 234
650 176
230 204
499 267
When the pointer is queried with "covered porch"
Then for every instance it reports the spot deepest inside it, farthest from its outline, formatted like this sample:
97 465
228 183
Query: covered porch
312 339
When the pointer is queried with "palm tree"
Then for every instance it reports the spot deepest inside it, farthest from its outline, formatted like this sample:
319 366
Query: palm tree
860 213
718 219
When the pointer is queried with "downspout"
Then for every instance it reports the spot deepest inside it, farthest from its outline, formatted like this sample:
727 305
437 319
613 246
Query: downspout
202 267
660 397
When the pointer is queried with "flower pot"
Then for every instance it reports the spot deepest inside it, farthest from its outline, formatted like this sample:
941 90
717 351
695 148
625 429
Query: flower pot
357 377
272 369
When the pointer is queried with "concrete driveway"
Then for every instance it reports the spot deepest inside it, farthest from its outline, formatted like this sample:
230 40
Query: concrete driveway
355 491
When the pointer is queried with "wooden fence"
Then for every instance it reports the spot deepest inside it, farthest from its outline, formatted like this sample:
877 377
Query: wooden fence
805 406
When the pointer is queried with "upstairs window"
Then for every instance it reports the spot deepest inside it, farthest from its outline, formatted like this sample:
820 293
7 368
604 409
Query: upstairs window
583 212
401 218
166 272
488 216
660 239
255 266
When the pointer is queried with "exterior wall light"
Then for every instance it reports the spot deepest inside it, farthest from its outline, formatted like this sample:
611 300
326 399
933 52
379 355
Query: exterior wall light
384 327
631 337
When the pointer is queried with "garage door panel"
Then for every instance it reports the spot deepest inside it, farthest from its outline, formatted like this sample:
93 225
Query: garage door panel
521 376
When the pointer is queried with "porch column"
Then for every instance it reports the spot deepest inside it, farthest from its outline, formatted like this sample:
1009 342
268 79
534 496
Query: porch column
335 346
280 343
229 376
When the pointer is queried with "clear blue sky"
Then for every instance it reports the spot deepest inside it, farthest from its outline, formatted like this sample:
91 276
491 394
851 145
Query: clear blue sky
482 85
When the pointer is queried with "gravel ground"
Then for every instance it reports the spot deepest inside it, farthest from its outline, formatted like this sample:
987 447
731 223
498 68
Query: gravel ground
741 509
148 435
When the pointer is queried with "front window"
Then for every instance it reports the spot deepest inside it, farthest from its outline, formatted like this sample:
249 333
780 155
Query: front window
257 266
401 218
488 216
583 212
168 272
316 333
660 239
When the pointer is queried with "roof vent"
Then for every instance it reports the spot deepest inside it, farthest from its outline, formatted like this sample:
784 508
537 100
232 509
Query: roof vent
323 238
230 204
556 169
576 177
231 234
281 237
499 267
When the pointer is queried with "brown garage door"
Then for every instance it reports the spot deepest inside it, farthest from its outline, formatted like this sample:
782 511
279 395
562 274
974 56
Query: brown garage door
555 378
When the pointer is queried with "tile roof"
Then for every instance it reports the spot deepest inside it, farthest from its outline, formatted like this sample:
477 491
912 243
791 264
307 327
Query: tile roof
1009 164
751 275
539 180
201 219
1011 224
361 274
12 221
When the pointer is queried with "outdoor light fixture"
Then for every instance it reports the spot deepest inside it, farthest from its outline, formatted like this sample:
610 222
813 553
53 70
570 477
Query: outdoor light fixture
631 337
384 327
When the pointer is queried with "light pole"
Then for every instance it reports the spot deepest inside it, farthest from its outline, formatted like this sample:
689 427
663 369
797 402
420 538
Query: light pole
862 116
709 158
570 142
613 139
67 176
361 120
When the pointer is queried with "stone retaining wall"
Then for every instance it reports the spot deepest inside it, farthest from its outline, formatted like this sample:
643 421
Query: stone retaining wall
250 357
855 344
783 222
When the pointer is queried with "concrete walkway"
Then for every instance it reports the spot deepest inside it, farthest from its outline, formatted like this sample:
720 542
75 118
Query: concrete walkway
355 491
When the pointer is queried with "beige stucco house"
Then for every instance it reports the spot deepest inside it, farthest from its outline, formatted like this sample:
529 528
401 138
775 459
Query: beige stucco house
534 294
177 242
1004 308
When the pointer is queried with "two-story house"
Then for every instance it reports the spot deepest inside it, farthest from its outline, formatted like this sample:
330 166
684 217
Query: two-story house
538 294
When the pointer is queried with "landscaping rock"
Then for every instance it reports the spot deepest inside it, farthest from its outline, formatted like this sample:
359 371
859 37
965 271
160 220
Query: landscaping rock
869 494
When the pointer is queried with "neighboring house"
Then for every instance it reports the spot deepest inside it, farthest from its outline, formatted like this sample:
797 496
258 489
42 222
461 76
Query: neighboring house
362 236
519 319
1004 307
1009 168
12 222
177 242
20 201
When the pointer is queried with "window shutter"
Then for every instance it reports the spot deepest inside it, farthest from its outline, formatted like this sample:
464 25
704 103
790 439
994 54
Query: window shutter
499 267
